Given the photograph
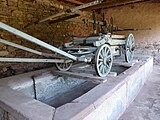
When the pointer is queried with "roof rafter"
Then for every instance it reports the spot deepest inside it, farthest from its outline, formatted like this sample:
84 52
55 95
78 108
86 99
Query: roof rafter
114 3
75 2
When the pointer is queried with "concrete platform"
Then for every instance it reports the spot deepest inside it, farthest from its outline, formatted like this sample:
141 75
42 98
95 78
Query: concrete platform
146 106
105 101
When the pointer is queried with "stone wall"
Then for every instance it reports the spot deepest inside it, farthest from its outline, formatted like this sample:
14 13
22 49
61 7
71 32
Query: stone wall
140 15
5 115
21 13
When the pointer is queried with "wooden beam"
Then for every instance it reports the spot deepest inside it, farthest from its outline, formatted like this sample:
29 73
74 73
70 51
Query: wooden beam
64 18
118 36
114 3
72 10
125 2
91 71
75 2
125 64
80 76
85 21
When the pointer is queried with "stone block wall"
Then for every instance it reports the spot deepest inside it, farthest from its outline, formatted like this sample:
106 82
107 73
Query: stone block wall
5 115
140 15
21 13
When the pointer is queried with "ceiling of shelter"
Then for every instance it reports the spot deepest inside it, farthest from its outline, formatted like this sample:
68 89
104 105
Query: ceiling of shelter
107 3
90 5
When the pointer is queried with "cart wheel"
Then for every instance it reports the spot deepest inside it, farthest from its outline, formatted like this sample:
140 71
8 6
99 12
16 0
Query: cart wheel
103 60
64 66
129 48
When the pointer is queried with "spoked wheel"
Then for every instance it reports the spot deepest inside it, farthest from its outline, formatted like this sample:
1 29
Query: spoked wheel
104 60
64 66
129 48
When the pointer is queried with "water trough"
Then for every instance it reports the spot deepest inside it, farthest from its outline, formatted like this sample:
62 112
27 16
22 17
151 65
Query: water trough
48 95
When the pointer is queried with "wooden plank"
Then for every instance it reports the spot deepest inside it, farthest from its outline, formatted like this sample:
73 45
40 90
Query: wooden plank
118 36
82 68
81 76
79 70
31 60
117 42
124 2
79 65
71 10
88 71
112 74
114 3
85 21
124 64
64 18
75 2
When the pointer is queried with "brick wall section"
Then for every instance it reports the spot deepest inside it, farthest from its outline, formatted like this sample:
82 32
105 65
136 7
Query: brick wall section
19 13
141 15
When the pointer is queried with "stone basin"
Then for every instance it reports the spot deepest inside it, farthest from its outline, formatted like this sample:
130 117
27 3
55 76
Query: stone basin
68 98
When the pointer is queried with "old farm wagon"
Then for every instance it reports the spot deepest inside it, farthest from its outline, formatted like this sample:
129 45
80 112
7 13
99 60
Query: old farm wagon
98 49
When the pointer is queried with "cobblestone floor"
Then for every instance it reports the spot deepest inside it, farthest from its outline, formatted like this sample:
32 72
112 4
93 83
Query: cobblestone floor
147 104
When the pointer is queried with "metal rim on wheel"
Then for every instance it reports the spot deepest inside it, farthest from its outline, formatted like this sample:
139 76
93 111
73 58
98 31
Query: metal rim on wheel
129 48
104 60
64 66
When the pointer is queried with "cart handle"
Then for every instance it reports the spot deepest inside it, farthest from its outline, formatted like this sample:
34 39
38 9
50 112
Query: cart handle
36 41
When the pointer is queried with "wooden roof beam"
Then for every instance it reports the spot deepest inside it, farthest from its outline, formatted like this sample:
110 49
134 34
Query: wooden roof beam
72 10
114 3
75 2
125 2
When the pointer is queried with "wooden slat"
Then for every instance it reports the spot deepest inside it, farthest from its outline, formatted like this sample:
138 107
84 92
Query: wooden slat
118 36
75 2
71 10
81 76
88 71
124 64
64 18
85 21
114 3
112 74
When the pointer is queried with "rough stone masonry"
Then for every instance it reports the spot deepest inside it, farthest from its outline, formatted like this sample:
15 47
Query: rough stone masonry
21 14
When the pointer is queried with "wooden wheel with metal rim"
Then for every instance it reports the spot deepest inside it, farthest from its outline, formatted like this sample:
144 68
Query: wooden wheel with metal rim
64 66
129 48
103 60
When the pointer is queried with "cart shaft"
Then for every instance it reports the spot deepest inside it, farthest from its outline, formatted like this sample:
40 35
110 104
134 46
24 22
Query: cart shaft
25 48
36 41
29 60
